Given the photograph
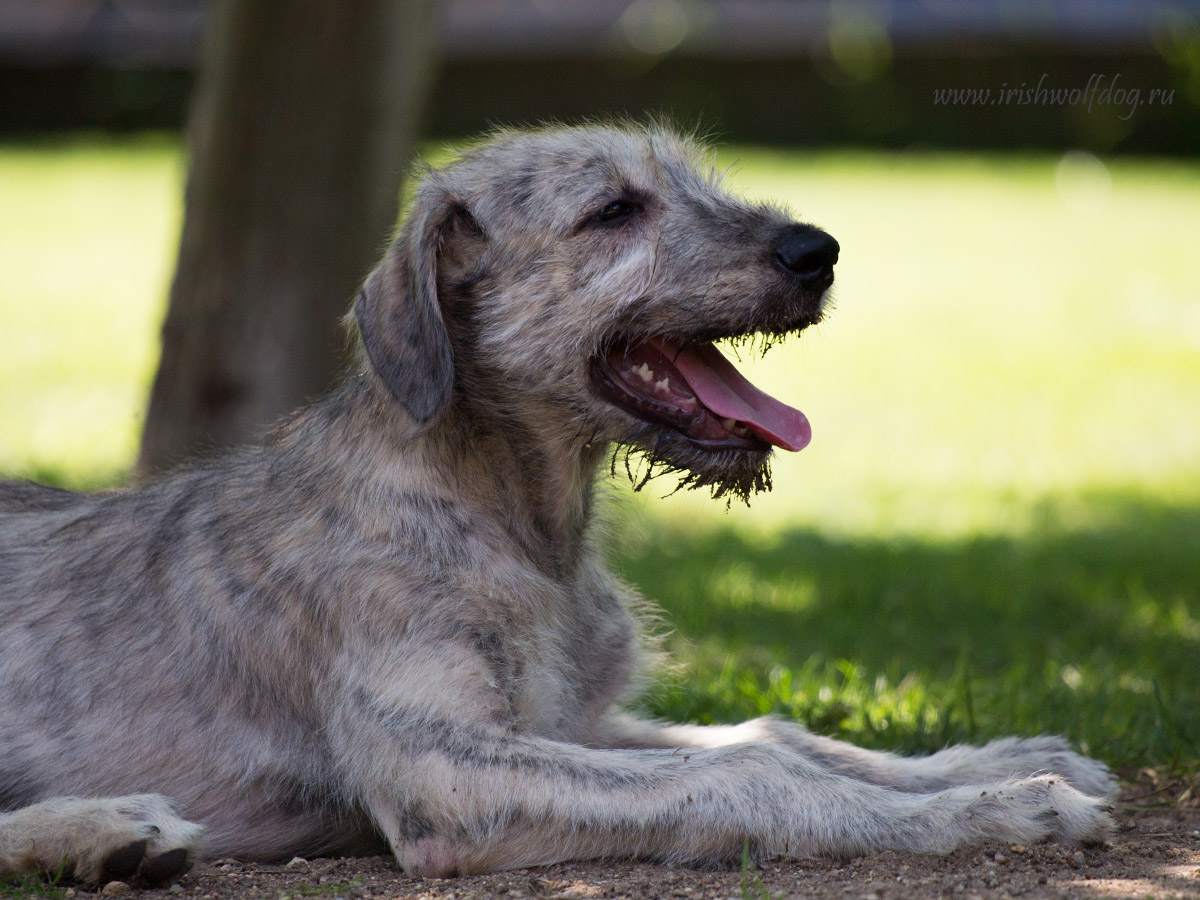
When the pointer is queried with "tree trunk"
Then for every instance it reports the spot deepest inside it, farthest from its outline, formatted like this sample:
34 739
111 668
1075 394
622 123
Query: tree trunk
301 129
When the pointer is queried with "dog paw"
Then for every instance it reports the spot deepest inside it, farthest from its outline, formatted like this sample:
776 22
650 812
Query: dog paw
1031 809
138 837
1051 755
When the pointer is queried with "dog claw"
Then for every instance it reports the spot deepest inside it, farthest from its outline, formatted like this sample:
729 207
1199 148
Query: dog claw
166 866
130 861
122 862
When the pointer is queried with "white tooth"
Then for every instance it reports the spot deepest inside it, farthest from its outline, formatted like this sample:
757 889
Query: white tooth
645 373
729 423
663 386
687 403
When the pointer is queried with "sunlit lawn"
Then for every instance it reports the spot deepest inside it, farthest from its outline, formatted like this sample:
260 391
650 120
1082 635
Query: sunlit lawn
996 528
87 237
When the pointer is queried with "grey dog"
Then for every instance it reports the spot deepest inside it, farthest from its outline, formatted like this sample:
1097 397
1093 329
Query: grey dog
391 624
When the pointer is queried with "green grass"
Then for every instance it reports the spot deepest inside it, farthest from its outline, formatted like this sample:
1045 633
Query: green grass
33 884
87 237
912 642
996 528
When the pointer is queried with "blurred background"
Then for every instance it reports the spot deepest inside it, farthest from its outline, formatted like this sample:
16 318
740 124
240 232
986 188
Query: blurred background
997 526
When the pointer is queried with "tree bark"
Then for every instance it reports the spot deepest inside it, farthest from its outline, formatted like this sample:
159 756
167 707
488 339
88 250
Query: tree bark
301 130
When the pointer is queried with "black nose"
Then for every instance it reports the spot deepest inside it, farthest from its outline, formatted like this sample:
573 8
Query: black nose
808 253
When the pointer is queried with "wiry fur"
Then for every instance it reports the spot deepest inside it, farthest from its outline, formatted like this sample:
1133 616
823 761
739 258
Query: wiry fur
391 620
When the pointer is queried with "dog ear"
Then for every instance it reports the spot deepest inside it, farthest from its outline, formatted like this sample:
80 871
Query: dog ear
399 316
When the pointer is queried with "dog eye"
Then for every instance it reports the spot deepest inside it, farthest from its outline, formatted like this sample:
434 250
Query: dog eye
618 210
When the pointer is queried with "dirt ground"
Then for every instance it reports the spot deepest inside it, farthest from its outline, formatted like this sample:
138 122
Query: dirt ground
1155 854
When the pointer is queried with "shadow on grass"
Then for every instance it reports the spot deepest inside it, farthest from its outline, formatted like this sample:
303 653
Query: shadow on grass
1092 631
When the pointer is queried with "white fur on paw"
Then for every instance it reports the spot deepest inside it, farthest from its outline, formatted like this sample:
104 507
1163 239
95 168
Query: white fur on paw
95 839
1030 809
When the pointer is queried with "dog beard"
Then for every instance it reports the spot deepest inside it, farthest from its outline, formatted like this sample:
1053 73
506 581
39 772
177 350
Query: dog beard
726 474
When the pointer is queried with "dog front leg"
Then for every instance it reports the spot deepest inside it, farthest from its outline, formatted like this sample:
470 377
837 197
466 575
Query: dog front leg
999 760
453 797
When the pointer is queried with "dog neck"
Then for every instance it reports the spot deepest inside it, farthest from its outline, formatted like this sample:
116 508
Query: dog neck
540 481
541 485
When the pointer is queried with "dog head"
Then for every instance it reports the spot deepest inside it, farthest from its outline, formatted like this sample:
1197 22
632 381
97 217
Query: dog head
571 282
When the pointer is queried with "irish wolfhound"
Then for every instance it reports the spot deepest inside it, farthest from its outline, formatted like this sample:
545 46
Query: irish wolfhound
392 621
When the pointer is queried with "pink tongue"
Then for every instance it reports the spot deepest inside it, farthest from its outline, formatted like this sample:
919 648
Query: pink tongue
723 390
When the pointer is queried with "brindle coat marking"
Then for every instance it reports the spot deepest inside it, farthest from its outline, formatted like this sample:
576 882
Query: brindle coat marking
391 620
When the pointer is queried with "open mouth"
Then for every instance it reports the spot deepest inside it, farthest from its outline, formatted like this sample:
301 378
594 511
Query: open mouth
697 392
